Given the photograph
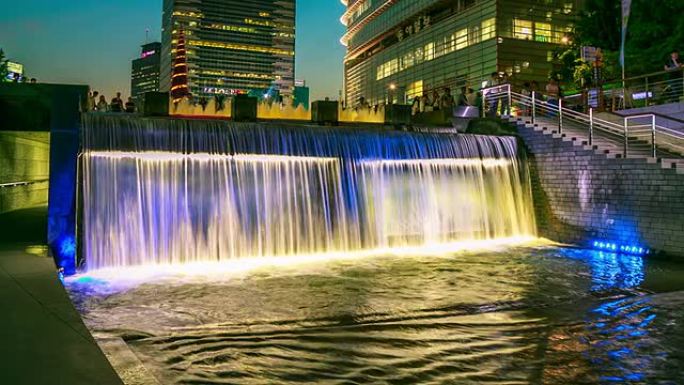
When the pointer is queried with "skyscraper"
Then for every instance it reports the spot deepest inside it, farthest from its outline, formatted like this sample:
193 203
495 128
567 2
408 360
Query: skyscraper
145 70
399 49
231 46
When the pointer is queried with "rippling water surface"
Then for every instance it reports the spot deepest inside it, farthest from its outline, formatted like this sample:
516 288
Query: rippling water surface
515 316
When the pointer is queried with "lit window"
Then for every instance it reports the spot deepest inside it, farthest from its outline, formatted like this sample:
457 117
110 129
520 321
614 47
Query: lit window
429 51
542 32
415 89
461 38
420 55
522 29
488 29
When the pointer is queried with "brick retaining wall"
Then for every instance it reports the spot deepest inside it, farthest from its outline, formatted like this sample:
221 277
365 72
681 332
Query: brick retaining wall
582 195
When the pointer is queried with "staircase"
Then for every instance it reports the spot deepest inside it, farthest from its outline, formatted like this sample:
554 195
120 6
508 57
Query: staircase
632 137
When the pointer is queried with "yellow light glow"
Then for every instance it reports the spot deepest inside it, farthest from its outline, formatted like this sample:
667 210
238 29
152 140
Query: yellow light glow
247 264
458 162
154 156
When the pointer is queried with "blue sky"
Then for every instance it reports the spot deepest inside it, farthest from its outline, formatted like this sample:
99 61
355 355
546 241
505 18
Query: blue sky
93 41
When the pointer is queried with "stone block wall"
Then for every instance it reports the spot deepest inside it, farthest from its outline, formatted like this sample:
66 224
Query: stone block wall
24 158
582 195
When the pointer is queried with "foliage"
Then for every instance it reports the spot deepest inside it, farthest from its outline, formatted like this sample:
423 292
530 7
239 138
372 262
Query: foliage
3 65
655 29
583 74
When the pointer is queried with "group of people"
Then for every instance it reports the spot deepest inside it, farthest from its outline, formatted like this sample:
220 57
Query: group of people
498 104
445 101
98 103
17 78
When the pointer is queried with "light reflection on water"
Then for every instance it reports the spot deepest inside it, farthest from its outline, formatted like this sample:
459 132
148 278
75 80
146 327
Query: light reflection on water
516 316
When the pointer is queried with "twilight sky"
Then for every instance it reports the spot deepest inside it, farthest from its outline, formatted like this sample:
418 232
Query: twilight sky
93 41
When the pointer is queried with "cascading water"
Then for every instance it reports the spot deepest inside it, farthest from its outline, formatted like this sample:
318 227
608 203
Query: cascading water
164 191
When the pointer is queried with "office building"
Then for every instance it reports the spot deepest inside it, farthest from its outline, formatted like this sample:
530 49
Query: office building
145 70
398 49
231 46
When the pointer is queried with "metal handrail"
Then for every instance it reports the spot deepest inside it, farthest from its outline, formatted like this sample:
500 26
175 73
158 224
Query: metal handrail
624 131
23 183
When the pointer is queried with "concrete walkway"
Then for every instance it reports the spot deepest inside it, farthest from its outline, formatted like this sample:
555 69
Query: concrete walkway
42 338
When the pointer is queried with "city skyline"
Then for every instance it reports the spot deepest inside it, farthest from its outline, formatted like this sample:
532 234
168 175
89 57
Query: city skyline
103 38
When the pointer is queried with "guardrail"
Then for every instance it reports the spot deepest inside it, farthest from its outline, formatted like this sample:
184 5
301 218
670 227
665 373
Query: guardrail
23 183
631 133
640 91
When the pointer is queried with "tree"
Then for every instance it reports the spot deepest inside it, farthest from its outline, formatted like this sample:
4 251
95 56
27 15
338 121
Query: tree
3 66
655 29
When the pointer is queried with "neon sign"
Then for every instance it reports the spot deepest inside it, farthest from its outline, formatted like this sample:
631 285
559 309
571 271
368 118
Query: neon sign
148 53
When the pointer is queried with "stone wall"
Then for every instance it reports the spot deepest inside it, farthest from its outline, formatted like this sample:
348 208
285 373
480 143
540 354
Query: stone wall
24 157
582 195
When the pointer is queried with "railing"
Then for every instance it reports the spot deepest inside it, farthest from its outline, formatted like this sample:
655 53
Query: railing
638 133
656 88
23 183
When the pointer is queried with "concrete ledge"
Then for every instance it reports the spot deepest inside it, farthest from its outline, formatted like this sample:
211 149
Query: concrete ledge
44 340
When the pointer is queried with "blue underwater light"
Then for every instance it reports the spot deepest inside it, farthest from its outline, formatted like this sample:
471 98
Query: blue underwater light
621 248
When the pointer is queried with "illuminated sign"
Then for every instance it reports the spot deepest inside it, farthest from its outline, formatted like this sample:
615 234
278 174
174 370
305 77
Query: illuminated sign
15 68
148 53
223 91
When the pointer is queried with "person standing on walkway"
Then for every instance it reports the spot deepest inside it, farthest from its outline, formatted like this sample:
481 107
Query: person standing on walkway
447 100
675 68
117 105
424 102
130 106
436 100
552 96
462 99
92 101
505 105
492 97
102 104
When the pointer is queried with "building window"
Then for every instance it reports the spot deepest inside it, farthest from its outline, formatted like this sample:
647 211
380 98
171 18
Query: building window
488 29
415 89
429 51
475 34
522 29
542 32
461 38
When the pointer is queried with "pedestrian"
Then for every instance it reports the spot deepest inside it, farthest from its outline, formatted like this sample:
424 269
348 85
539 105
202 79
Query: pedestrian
553 92
436 100
675 68
526 92
425 102
363 104
203 102
130 105
117 105
415 107
447 100
492 96
471 97
33 81
92 100
102 104
505 103
462 100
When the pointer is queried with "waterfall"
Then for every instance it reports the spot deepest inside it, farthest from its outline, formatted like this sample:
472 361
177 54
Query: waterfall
169 191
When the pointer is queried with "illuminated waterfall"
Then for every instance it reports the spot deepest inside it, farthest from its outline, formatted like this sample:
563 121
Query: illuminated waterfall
162 191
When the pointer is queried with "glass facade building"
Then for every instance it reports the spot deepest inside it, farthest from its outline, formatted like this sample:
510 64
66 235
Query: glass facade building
145 70
233 46
398 49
